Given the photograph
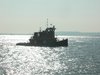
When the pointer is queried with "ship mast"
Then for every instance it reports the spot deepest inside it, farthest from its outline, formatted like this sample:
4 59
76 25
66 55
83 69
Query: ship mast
47 22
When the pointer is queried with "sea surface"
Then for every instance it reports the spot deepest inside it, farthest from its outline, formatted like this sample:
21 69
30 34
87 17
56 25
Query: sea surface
81 57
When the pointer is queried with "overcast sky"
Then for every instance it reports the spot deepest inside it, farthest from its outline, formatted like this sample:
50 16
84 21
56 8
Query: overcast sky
26 16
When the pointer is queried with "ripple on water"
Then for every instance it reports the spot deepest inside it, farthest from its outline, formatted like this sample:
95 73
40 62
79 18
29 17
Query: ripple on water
76 59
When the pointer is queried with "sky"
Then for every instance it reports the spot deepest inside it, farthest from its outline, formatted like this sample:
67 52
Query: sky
27 16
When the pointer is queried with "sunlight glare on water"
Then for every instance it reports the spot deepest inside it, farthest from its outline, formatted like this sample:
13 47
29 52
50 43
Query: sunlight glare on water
33 60
81 57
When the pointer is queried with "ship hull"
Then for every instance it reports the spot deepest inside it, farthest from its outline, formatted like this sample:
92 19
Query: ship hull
63 43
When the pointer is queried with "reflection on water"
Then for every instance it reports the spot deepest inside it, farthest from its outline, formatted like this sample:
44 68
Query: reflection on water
81 57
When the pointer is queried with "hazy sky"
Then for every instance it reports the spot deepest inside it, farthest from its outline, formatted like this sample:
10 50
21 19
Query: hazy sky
26 16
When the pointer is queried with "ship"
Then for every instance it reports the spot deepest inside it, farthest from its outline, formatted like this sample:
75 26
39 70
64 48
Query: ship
45 38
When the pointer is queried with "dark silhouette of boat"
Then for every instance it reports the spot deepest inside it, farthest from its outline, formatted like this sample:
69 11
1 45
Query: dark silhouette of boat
45 38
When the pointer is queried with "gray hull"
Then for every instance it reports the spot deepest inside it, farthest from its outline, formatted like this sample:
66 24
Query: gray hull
63 43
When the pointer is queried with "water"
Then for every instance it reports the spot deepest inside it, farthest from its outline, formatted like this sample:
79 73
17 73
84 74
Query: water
81 57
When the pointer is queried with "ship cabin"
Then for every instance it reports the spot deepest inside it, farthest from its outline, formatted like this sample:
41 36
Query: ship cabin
44 37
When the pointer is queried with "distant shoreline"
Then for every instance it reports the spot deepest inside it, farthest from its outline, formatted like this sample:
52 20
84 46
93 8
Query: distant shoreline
58 33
